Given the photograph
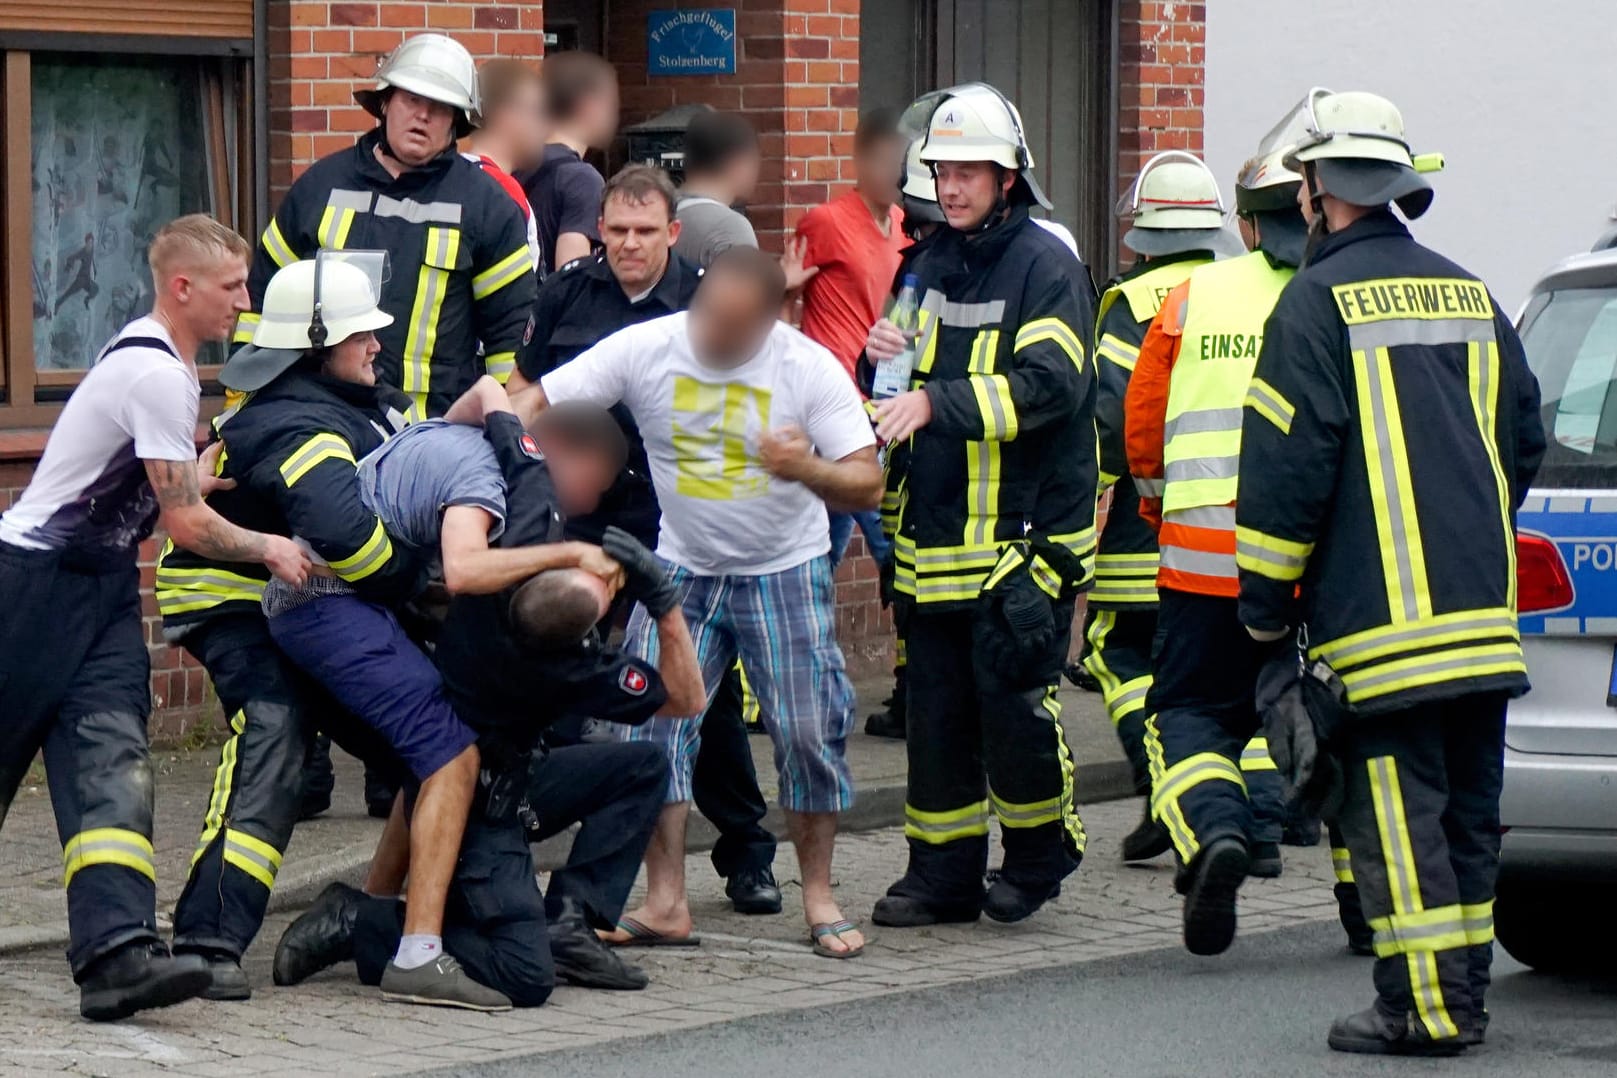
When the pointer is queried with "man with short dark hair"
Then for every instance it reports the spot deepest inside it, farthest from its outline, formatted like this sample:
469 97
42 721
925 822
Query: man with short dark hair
581 97
512 136
721 171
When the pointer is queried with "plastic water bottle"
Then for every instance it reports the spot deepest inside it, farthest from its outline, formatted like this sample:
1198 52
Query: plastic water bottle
893 375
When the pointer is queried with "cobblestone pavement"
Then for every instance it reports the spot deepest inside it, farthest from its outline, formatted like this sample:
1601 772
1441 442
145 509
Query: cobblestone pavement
746 966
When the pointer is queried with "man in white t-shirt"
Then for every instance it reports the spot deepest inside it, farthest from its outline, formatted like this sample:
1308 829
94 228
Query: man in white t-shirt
75 678
751 430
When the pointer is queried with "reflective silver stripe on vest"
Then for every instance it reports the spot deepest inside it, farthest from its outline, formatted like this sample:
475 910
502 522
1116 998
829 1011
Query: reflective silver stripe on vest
1221 517
1424 331
1199 562
445 213
1149 488
1202 421
358 201
1183 471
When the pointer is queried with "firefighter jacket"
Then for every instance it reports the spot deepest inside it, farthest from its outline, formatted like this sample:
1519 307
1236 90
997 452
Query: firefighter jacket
460 271
1391 431
1183 415
1126 567
1010 451
292 449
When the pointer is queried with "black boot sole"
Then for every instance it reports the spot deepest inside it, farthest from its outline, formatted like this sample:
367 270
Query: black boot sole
162 990
586 979
1381 1046
922 916
1210 905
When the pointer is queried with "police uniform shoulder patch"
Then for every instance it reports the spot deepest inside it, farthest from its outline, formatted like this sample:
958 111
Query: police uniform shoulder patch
530 448
633 682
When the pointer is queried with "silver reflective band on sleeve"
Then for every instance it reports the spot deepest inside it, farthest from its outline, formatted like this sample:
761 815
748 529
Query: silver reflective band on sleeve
1202 421
1431 332
1292 565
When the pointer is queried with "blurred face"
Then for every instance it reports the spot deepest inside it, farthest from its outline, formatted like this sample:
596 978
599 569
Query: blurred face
637 237
728 322
1305 199
741 174
417 129
580 475
600 115
211 297
878 169
968 190
522 125
353 359
1249 232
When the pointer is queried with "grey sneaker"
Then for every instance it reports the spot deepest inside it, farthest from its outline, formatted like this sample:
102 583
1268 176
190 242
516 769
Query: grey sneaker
440 983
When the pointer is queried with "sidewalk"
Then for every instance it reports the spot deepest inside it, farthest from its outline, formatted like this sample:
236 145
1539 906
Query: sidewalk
338 844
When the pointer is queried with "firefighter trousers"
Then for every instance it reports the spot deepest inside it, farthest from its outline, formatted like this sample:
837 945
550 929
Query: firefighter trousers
1211 775
75 680
978 745
257 789
1421 820
1119 657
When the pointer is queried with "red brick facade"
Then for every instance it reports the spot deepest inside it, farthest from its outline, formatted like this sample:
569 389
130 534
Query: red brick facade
1162 55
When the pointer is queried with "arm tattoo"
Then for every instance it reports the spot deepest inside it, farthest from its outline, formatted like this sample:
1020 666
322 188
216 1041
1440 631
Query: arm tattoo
174 482
224 541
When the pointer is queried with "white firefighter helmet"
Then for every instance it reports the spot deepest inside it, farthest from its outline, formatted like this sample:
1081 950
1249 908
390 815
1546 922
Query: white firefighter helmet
317 301
1175 206
974 122
436 67
919 191
1354 142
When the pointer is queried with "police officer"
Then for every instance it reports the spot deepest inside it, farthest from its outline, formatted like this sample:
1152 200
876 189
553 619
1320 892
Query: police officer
995 524
1210 777
74 672
1395 425
635 277
1176 225
212 609
461 273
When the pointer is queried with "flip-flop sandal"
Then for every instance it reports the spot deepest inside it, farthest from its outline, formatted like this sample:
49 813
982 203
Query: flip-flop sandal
834 928
641 935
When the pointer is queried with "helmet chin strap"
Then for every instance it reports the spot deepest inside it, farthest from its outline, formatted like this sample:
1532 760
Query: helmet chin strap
1318 229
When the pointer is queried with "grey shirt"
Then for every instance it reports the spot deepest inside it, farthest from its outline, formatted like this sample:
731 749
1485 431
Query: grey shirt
708 227
414 476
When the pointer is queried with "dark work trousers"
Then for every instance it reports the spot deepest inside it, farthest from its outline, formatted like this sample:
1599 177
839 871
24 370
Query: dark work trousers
1203 714
75 680
1349 908
1119 657
724 785
979 745
615 792
1421 820
257 788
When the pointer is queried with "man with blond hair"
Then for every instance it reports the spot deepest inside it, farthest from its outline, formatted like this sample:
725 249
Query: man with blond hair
74 673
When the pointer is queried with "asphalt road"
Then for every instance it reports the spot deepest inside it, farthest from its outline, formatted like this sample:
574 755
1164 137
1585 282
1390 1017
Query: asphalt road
1260 1010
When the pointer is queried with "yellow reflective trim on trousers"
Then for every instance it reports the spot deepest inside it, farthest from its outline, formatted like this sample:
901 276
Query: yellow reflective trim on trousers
1167 812
1128 698
320 447
276 247
107 846
1071 822
993 393
246 323
1342 864
1255 756
253 856
1392 496
506 271
1403 879
1458 626
1117 350
1056 332
1178 780
1031 814
1271 404
432 285
1095 662
1451 665
938 828
376 552
223 778
1482 366
1271 556
1478 922
500 365
334 225
1440 929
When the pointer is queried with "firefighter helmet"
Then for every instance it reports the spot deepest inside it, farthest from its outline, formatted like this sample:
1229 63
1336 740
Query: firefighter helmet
1174 206
435 67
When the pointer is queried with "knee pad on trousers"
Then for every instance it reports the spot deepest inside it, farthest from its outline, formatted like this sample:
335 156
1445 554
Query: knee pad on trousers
112 782
270 776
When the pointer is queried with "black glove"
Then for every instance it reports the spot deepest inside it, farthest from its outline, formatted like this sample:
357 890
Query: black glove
648 578
1298 740
1016 624
885 572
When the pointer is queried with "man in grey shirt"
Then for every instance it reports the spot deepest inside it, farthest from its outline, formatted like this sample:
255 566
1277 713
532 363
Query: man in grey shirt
721 170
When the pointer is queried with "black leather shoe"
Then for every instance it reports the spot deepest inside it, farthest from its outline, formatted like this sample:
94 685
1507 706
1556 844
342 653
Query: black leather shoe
322 937
1215 876
139 977
583 960
1147 841
230 982
1475 1032
1080 677
1369 1033
1008 902
885 724
754 891
1266 861
900 911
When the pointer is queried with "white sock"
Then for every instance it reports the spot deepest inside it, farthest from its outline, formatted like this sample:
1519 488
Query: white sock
417 951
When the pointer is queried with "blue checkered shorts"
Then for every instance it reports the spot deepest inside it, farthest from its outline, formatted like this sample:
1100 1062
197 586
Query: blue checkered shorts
781 626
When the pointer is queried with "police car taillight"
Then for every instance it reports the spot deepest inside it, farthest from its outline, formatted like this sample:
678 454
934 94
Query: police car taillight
1542 582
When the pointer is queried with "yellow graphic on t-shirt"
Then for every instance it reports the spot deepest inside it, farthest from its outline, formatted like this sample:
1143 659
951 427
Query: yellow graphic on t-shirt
711 427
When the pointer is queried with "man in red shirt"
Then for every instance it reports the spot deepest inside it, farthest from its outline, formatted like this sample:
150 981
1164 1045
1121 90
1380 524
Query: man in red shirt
512 136
854 240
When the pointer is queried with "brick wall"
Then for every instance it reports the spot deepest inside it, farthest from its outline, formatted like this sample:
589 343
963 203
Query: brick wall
1161 71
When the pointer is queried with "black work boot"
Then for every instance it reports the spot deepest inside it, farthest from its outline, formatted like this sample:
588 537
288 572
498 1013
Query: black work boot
902 911
1214 877
1148 840
1475 1032
139 977
321 938
1083 679
1371 1033
583 960
230 982
753 891
1008 901
1266 861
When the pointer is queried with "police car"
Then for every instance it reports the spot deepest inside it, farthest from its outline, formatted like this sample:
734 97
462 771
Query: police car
1558 878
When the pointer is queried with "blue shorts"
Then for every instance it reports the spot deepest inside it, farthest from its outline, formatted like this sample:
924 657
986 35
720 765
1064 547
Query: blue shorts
360 653
782 627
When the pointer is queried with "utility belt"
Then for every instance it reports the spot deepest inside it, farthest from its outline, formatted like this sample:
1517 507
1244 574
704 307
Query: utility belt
502 785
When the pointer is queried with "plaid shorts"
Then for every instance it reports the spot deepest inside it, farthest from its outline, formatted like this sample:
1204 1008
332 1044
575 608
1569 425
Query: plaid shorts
781 626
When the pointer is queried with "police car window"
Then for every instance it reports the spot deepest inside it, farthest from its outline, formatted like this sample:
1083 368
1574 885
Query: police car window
1571 341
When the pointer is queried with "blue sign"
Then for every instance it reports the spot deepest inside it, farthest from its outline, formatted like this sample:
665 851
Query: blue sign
694 41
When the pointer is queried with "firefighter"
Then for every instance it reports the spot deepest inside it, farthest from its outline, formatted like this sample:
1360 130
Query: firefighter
462 274
212 609
1395 425
74 672
1182 434
995 525
1176 224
